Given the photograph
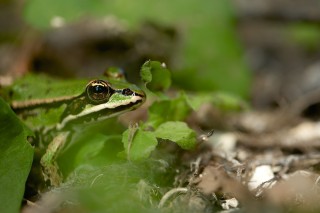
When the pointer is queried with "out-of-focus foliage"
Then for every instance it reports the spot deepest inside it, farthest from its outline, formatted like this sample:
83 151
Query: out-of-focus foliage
210 55
306 35
15 159
175 109
120 187
223 101
92 146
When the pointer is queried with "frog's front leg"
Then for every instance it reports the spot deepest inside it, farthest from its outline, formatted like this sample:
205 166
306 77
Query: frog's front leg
48 162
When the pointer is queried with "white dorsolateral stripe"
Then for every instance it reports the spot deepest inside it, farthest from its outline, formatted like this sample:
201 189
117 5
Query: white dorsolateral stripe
97 108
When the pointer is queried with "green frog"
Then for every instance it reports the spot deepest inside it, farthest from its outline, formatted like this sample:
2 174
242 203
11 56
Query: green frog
52 108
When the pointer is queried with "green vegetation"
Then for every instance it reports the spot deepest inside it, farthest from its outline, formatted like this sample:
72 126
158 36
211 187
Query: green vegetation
210 56
109 166
113 153
15 159
304 34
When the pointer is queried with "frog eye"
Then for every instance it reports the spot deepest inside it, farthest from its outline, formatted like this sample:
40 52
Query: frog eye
98 90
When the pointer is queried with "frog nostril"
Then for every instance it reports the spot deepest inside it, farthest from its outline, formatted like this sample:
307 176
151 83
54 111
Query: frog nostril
127 91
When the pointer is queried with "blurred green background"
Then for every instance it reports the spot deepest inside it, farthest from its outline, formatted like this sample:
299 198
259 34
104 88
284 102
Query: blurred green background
209 56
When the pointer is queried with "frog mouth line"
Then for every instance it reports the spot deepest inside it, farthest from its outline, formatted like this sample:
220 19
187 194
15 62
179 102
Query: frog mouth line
102 114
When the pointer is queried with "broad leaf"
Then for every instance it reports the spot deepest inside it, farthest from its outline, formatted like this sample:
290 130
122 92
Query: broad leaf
16 156
176 109
138 144
177 132
156 76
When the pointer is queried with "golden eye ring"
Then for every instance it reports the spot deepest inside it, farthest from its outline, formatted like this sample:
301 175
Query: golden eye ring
98 91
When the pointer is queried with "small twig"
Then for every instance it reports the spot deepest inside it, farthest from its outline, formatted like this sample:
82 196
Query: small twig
32 204
287 164
95 179
206 136
194 166
132 131
316 183
264 185
169 194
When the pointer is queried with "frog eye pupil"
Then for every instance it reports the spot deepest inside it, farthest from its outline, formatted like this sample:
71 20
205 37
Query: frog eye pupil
98 90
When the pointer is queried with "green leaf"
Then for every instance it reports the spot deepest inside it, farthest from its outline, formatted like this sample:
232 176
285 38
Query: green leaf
304 34
145 72
119 187
95 151
138 144
156 76
92 145
177 132
98 151
221 100
39 13
169 110
16 156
